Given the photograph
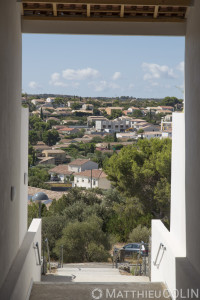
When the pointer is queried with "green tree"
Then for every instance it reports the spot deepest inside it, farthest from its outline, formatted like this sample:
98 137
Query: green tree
38 175
116 113
140 234
137 113
50 137
41 114
33 137
84 241
170 101
138 171
31 155
76 106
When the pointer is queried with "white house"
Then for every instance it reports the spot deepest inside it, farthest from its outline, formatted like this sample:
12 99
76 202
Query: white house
50 100
132 109
92 179
150 134
80 165
62 172
86 106
166 124
126 135
117 125
167 134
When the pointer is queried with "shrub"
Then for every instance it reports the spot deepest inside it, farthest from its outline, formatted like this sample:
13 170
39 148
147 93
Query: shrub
84 241
140 234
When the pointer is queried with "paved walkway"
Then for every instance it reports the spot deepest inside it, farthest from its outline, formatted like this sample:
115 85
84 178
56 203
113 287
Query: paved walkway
92 272
92 281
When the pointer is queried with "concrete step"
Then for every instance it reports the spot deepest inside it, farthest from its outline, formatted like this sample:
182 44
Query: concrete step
92 291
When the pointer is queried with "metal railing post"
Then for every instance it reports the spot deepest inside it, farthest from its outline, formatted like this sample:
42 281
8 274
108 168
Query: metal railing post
46 240
62 255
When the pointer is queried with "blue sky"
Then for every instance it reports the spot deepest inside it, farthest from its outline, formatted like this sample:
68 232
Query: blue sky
103 65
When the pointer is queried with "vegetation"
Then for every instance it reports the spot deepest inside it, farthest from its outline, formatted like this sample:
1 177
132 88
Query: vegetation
50 137
140 234
142 172
86 222
38 175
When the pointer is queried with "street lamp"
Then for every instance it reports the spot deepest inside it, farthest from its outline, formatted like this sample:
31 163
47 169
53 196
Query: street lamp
38 198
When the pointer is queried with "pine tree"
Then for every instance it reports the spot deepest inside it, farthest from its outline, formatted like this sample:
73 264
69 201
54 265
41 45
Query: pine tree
41 114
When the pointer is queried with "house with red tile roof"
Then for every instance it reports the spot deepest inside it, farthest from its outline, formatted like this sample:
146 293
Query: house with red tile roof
92 179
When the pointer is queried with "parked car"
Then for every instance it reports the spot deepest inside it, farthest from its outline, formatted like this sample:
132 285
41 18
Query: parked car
136 248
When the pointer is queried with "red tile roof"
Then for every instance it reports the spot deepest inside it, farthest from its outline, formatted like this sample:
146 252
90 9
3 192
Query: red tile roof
78 162
61 169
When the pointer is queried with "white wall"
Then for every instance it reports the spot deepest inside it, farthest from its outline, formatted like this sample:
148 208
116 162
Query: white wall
81 181
177 212
25 268
175 240
10 132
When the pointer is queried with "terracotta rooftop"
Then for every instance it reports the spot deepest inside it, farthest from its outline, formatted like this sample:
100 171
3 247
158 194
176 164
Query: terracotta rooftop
61 169
53 151
95 174
78 162
109 10
66 129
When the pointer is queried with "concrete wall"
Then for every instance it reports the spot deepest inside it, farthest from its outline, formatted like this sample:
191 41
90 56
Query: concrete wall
10 132
109 28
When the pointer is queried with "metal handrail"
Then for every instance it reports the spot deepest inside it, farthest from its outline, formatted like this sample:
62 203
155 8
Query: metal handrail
160 247
36 246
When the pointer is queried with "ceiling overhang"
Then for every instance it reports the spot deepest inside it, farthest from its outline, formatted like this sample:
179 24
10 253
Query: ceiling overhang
165 11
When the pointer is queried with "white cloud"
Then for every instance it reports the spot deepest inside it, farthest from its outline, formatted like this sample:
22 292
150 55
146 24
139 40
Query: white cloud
116 76
131 86
155 71
153 83
181 66
33 85
103 85
55 80
80 74
55 77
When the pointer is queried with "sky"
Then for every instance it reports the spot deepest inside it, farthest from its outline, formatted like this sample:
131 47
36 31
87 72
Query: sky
100 66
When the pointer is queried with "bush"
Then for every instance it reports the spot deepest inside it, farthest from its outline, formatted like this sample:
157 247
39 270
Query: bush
83 241
140 234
